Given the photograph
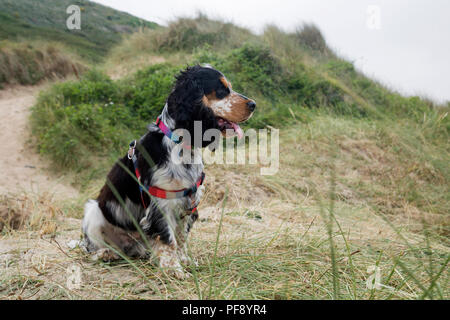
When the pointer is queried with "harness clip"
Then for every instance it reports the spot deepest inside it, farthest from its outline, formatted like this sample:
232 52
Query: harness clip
131 149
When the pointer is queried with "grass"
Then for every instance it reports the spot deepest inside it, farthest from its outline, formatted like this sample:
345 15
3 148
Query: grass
35 43
27 211
363 180
283 255
30 62
101 27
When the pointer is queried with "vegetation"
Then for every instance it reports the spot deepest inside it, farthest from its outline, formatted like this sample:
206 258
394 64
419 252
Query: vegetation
32 49
363 179
29 63
101 27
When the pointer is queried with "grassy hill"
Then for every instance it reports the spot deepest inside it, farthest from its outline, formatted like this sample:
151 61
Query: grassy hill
36 44
364 180
101 27
30 62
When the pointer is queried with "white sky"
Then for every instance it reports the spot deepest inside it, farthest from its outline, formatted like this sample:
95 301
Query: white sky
409 52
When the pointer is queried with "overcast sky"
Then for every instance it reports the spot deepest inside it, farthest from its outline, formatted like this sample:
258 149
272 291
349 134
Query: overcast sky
403 43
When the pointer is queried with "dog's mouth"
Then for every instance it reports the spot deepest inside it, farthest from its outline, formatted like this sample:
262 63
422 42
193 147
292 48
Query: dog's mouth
225 126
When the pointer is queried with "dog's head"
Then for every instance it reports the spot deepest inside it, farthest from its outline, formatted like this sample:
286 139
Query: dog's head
204 94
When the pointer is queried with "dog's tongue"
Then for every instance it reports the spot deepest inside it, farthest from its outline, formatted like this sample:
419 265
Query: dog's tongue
237 129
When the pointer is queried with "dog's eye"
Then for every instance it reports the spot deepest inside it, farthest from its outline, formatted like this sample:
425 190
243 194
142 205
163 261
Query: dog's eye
222 92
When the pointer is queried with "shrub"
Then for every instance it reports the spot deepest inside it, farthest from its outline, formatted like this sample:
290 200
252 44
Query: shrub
94 86
74 131
252 68
310 37
340 68
149 90
187 34
184 34
77 119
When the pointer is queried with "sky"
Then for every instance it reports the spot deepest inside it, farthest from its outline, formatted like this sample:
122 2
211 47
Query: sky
405 44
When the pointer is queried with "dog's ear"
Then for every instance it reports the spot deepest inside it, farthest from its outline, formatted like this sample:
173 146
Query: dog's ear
186 96
185 104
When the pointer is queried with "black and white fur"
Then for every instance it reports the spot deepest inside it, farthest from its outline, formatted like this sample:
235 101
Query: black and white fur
200 94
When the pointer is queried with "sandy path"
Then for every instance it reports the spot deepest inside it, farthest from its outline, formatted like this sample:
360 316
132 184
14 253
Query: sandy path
21 168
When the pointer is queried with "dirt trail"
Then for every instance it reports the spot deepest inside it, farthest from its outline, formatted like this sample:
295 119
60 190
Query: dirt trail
21 168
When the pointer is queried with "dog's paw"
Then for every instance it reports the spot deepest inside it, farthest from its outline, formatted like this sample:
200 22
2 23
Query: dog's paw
173 268
177 273
186 260
105 254
169 261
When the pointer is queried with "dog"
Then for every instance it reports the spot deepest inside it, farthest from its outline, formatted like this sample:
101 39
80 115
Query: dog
133 215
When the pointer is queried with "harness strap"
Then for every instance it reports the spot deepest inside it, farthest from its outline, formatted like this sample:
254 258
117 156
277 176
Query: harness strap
174 194
158 192
132 157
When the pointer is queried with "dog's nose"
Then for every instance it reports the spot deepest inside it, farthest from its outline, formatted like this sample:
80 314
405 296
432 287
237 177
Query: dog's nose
251 105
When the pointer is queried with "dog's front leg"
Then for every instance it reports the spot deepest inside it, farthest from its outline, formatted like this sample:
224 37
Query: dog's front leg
168 259
182 232
160 229
185 224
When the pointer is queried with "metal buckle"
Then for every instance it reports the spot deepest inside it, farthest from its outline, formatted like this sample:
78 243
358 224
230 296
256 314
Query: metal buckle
131 149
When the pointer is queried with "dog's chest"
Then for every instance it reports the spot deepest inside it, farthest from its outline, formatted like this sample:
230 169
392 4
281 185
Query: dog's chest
173 176
177 177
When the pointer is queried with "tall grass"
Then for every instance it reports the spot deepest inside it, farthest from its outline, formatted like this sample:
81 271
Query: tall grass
184 35
311 38
30 62
240 258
